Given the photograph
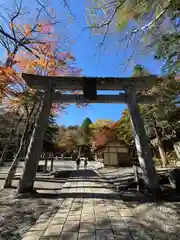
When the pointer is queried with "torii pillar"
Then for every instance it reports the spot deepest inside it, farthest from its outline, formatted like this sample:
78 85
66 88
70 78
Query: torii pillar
141 141
35 146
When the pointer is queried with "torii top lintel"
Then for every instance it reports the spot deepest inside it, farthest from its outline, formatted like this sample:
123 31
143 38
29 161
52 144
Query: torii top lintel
76 83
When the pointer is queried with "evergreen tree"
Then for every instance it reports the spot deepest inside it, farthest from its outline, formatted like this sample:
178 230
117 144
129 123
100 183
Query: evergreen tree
50 134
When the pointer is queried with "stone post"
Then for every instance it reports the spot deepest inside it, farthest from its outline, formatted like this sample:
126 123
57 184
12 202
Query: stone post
35 146
141 141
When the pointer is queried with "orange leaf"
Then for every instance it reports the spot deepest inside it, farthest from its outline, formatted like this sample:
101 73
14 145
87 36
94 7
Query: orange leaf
27 30
12 25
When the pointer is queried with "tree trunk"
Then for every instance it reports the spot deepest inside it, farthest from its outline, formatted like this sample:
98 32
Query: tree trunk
32 115
14 165
35 147
52 161
162 154
45 163
176 145
29 134
10 59
160 146
9 63
141 141
12 170
6 148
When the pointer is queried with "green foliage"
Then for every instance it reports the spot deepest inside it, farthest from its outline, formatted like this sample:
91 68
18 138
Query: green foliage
157 22
164 111
85 131
100 124
132 12
50 134
52 129
140 71
162 117
124 128
167 49
85 127
129 10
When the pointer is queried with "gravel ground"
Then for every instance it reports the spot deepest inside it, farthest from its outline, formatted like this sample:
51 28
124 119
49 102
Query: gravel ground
17 215
161 220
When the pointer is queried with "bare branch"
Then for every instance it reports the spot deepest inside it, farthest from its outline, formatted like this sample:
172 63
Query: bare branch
153 22
44 8
14 17
132 54
5 43
7 12
18 38
107 5
17 42
69 9
107 23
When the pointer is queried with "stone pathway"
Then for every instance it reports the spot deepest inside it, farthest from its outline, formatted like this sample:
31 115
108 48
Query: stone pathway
89 209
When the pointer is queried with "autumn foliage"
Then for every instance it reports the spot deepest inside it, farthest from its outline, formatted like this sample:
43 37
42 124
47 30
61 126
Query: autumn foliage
103 132
35 49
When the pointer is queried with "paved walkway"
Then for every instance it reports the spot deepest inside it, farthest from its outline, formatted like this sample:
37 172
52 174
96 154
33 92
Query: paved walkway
89 209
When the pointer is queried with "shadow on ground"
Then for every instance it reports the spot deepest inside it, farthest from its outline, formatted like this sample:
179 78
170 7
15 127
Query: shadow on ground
18 215
151 220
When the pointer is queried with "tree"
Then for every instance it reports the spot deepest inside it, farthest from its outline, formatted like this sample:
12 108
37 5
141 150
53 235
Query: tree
166 94
104 131
151 122
49 144
123 12
12 170
14 37
50 134
101 123
31 119
159 118
124 128
86 130
68 138
51 63
167 49
140 22
16 32
18 119
85 125
10 128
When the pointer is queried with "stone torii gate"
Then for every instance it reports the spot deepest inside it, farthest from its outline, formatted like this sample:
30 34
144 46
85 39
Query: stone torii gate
49 87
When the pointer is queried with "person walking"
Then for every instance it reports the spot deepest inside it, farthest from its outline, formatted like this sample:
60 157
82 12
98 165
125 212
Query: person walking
78 162
74 155
85 163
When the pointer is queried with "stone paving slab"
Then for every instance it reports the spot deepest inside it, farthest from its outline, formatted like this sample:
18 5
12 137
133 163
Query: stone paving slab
53 230
69 236
97 214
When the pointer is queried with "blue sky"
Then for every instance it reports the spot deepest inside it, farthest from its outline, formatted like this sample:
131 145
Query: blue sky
106 63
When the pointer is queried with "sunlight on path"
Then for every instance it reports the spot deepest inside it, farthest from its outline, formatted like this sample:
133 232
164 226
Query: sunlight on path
89 209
